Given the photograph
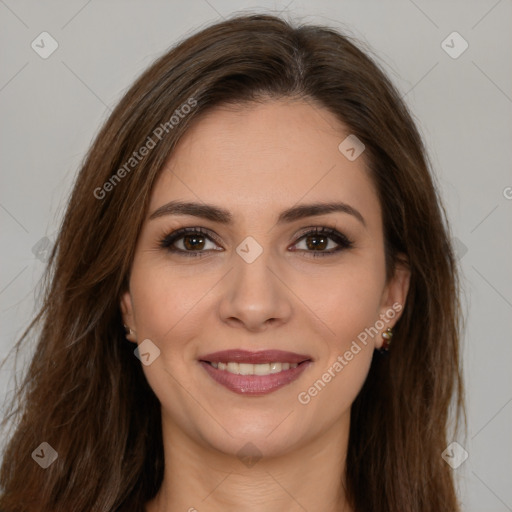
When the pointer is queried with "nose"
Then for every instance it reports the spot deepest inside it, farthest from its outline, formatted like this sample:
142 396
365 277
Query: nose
255 295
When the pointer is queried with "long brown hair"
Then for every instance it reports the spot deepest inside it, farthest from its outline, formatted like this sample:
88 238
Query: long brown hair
85 393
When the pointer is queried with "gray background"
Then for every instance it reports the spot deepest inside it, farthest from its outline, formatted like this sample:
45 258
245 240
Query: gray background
51 109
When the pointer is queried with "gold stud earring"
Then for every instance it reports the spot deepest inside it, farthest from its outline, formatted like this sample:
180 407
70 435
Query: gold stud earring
386 335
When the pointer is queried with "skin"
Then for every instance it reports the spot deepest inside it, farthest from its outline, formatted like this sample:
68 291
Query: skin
257 161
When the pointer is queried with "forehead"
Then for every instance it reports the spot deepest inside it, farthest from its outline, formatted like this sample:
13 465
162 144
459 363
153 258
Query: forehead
266 156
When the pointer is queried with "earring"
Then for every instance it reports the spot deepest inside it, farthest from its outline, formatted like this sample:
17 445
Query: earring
386 335
128 330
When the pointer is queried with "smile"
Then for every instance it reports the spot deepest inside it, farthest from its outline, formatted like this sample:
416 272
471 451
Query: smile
254 373
254 369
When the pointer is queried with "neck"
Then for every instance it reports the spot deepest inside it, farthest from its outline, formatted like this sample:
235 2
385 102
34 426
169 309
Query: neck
199 478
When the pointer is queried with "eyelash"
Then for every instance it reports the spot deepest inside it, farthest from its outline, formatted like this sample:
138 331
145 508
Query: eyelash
168 240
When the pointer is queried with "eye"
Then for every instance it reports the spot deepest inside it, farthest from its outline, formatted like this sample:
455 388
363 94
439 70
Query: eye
317 241
323 241
189 241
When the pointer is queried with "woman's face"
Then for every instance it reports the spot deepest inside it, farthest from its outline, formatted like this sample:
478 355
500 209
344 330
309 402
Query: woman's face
255 280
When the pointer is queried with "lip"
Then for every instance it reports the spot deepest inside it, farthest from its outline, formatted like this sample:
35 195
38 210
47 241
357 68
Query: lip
255 385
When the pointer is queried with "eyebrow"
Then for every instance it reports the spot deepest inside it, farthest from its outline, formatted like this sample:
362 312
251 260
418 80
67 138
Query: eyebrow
223 216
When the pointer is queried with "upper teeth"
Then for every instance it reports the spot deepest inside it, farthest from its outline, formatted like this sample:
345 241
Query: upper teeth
254 369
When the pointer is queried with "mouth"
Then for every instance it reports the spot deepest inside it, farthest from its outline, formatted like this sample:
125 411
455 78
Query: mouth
254 373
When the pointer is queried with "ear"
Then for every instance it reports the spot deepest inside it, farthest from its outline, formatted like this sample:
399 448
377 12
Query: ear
128 317
394 297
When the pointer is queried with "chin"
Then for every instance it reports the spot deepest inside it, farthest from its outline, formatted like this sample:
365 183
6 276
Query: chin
267 435
256 443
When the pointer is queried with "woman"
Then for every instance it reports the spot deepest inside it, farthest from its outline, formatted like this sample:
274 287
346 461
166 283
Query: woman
252 302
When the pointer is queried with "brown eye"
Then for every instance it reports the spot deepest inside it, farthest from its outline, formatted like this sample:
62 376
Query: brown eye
323 241
189 242
316 242
193 242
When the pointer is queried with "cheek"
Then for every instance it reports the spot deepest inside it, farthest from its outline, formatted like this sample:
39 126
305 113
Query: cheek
348 305
166 304
346 299
163 298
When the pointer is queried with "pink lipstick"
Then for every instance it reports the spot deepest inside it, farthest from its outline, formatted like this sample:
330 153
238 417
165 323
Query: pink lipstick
254 373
